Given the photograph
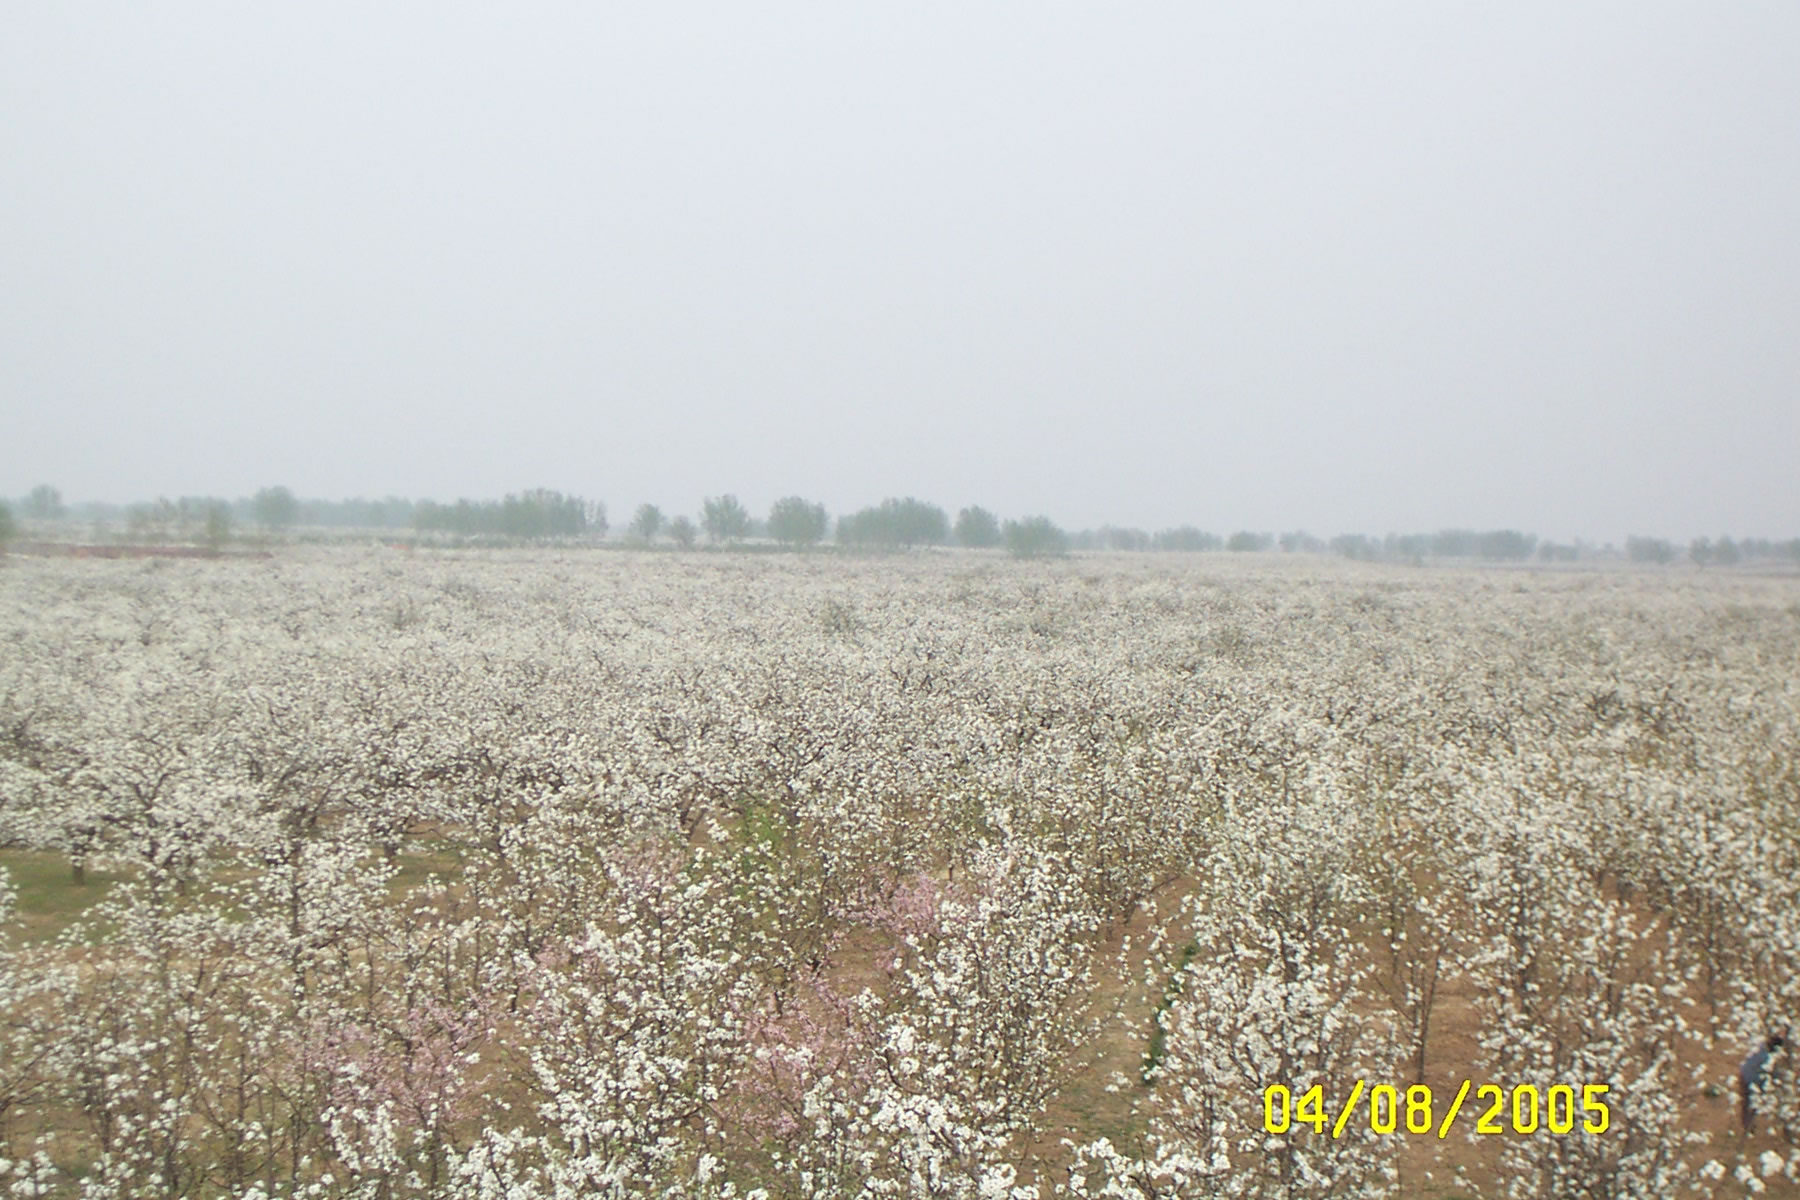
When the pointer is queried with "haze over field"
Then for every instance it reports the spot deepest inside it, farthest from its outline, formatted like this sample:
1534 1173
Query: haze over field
1388 267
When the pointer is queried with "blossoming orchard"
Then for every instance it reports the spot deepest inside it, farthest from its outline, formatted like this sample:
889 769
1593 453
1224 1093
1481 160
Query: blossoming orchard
356 873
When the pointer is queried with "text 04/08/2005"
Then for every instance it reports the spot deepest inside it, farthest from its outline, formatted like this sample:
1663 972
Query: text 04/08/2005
1523 1109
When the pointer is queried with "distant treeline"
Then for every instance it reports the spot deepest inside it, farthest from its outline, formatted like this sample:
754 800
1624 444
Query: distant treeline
1494 545
1706 552
525 515
534 514
895 524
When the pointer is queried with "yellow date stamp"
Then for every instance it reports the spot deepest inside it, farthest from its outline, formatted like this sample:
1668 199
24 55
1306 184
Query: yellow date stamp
1521 1109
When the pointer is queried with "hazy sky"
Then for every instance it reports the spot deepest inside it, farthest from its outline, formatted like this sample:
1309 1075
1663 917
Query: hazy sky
1337 267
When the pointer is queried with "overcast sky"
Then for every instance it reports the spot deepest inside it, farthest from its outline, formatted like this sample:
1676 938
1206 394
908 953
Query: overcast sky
1361 266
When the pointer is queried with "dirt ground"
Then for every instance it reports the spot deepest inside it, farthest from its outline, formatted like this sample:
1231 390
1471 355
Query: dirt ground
1106 1096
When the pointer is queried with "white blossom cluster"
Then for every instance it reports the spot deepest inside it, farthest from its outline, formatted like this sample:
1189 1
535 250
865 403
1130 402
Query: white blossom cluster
514 875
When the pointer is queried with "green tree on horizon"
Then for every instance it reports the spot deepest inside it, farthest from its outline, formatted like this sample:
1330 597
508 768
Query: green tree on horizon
44 503
977 528
1035 537
647 522
724 518
796 522
275 508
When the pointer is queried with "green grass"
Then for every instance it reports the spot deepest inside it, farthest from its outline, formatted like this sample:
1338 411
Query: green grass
1158 1048
427 858
49 899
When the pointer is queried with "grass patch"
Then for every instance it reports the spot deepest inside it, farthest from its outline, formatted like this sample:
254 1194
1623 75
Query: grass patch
426 859
49 899
1159 1043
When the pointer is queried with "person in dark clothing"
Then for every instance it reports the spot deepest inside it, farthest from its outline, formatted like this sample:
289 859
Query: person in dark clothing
1752 1077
